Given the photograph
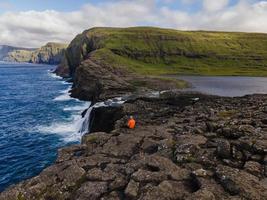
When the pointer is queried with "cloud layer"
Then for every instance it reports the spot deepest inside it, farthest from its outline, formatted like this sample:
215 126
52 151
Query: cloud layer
34 28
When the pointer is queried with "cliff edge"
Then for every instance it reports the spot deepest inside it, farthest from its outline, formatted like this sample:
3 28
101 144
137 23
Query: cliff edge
186 146
108 60
212 148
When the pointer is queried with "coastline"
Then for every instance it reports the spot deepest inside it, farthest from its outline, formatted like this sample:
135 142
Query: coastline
185 145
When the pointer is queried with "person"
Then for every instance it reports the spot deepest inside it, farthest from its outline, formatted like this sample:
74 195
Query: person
131 123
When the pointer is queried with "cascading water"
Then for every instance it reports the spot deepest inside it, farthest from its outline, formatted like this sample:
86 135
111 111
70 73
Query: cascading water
85 121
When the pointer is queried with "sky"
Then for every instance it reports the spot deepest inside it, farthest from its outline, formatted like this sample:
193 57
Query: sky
32 23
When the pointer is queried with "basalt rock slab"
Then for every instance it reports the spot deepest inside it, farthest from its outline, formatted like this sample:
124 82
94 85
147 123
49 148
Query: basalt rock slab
171 154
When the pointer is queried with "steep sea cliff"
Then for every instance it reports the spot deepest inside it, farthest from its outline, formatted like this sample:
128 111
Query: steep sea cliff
51 53
186 145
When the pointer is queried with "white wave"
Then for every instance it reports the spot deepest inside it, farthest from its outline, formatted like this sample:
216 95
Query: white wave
66 91
65 95
77 108
68 130
53 75
72 130
66 83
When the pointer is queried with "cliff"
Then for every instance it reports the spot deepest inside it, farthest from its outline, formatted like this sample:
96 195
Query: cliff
119 53
164 51
186 146
208 149
5 50
51 53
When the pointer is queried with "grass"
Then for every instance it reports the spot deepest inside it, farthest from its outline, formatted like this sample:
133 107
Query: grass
92 139
21 197
179 83
155 51
227 113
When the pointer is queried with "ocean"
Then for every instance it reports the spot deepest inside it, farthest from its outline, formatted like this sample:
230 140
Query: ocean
37 117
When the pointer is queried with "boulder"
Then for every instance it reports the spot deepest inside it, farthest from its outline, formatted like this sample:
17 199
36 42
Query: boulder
202 194
144 176
247 129
91 190
132 189
167 190
237 182
254 168
223 149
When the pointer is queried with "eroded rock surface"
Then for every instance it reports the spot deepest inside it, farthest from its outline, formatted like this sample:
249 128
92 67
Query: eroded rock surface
213 148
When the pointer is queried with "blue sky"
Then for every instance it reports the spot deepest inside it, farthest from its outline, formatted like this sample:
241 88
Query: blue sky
71 5
36 22
60 5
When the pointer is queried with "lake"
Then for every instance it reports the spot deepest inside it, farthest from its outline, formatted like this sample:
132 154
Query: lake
229 86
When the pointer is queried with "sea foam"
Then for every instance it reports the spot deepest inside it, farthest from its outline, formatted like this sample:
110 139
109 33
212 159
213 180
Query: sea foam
67 128
65 95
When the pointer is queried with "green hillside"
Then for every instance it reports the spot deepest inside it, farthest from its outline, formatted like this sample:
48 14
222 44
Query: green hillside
155 51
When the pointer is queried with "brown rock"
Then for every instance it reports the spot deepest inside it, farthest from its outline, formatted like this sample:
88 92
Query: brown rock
99 175
253 168
112 196
70 175
123 146
202 194
237 182
167 190
144 176
91 190
223 149
99 138
132 189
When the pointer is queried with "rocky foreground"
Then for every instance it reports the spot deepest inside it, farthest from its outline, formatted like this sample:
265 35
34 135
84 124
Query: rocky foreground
182 148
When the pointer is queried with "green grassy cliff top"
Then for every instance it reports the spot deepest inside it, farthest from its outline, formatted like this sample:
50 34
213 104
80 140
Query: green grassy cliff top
156 51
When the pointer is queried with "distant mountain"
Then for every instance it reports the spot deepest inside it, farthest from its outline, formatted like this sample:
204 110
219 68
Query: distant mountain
5 50
51 53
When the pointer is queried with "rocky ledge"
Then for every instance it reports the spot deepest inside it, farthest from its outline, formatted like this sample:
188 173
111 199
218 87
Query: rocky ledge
185 146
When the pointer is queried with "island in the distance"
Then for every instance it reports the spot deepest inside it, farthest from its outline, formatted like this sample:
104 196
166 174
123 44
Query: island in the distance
185 145
51 53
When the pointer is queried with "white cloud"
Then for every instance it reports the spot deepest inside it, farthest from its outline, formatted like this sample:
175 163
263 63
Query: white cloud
33 28
214 5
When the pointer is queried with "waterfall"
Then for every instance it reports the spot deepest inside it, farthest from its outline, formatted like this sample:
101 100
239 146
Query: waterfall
84 124
85 121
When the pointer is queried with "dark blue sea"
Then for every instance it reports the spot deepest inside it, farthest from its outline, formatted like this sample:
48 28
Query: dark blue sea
37 117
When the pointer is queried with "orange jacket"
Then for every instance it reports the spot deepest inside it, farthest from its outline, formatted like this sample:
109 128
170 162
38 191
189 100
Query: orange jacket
131 123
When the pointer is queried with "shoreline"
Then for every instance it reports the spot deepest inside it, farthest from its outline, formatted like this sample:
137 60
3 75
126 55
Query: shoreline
178 140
